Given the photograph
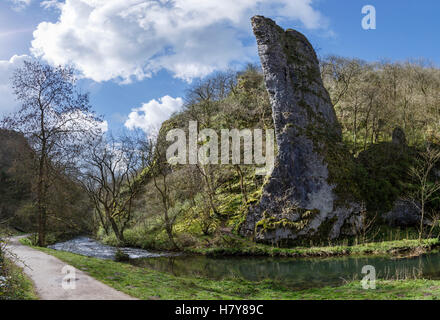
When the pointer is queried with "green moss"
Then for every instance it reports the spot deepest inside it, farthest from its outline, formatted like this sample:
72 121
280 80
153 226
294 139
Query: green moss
343 171
255 197
270 222
324 230
242 212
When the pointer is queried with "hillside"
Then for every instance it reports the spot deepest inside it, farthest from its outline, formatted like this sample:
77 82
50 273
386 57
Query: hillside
69 206
210 203
14 188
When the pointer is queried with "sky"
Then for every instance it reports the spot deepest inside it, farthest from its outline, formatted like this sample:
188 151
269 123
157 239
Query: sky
137 58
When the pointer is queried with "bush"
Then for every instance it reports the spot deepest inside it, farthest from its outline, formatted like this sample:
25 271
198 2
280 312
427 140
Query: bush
121 256
14 285
28 241
386 175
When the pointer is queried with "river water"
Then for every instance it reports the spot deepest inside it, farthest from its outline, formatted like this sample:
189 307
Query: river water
291 272
92 248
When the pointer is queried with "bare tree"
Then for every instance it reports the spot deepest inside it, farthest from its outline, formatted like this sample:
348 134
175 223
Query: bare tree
161 171
371 99
56 119
426 187
112 180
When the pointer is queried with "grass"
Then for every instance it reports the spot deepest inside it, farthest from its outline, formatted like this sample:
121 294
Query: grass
18 285
15 285
396 247
144 283
385 290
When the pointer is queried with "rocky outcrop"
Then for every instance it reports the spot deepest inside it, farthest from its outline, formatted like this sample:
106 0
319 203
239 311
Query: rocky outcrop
404 214
399 137
311 190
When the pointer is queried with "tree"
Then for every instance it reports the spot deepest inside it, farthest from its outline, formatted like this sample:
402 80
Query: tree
56 119
371 99
160 172
426 187
112 180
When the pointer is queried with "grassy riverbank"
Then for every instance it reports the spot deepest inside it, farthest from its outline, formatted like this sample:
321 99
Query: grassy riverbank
144 283
398 247
387 241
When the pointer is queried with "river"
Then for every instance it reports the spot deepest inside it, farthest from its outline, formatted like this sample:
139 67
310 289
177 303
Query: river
291 272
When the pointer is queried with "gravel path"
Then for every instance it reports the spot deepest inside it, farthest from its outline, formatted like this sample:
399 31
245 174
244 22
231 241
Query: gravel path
49 274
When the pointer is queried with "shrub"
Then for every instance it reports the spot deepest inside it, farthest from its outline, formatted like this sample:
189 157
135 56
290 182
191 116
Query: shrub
121 256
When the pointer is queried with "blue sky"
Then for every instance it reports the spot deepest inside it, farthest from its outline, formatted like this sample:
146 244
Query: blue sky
137 57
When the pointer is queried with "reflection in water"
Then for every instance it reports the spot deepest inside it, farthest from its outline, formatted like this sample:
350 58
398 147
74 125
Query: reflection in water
296 273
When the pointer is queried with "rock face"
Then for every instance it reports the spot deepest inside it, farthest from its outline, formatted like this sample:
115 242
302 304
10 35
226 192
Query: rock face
310 190
404 214
399 137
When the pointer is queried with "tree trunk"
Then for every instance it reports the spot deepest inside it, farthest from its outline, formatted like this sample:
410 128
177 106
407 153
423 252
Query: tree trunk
119 235
210 191
242 184
41 199
169 228
42 220
103 222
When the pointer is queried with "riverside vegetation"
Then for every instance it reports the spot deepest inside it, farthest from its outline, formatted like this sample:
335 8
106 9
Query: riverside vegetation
14 284
151 204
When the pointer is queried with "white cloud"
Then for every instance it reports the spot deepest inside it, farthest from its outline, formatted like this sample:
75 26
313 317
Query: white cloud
126 39
51 4
151 115
103 126
8 103
20 4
